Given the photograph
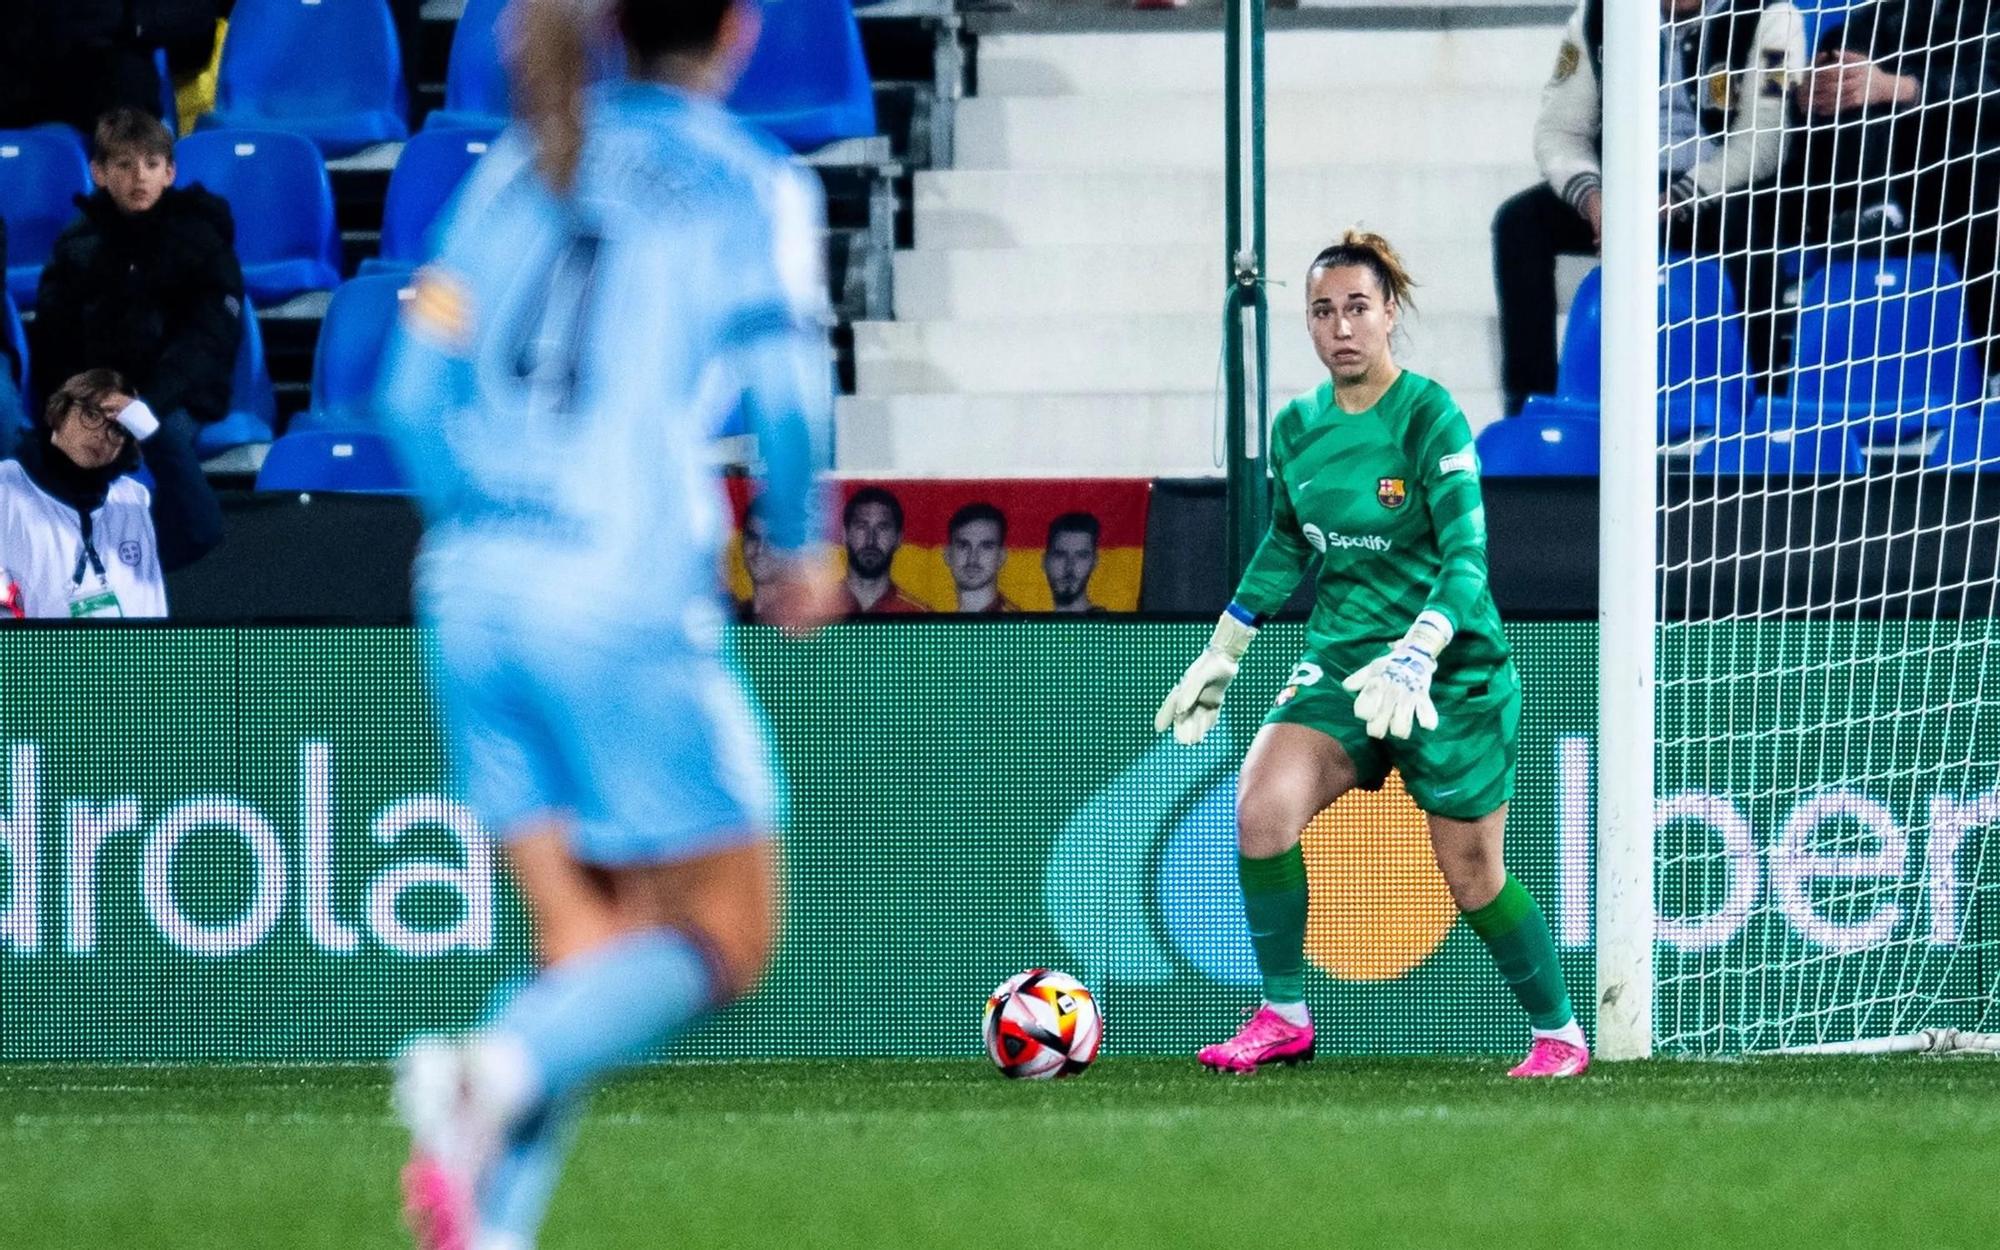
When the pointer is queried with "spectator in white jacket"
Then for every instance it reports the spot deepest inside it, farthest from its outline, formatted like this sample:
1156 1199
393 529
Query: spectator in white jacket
80 536
1722 129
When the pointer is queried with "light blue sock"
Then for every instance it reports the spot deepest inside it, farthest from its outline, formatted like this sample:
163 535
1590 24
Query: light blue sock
608 1008
576 1022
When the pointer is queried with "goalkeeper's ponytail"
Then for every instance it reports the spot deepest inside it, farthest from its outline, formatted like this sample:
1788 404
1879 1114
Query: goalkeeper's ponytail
1374 253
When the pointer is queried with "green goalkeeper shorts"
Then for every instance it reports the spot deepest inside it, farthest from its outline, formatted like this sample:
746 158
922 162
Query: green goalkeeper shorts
1462 770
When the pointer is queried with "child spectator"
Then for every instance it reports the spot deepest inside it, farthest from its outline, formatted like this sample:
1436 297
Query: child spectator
145 281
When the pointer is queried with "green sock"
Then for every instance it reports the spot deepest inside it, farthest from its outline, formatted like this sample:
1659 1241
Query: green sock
1517 935
1274 902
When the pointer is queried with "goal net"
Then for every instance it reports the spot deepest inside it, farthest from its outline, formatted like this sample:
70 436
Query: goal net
1827 698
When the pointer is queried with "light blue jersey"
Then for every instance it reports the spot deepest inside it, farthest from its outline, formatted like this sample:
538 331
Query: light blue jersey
566 362
560 374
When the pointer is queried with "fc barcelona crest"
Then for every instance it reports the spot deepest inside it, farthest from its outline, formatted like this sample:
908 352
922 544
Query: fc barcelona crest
1389 492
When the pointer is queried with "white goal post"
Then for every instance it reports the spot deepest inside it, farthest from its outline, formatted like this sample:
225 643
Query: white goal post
1798 783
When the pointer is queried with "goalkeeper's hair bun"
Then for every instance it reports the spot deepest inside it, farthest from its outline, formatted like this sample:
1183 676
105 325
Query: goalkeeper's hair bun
1372 252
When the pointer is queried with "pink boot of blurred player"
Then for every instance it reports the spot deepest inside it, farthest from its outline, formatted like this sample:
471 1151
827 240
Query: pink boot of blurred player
1267 1038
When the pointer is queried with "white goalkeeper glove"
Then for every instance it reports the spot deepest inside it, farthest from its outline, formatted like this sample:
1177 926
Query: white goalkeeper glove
1394 690
1195 702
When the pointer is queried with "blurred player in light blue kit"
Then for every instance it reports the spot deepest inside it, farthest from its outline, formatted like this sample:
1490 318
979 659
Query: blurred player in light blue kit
627 268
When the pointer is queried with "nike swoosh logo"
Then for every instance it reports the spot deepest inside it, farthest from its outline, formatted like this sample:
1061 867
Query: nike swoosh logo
1445 794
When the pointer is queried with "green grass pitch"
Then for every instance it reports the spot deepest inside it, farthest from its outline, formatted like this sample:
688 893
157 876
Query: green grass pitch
1138 1152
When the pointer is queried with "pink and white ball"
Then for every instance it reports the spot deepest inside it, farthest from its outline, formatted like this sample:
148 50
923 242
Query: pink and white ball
1041 1025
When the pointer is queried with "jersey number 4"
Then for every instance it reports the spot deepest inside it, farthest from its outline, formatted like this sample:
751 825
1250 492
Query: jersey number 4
553 330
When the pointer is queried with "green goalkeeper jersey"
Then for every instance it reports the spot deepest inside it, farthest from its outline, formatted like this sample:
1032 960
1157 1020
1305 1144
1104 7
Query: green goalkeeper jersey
1389 499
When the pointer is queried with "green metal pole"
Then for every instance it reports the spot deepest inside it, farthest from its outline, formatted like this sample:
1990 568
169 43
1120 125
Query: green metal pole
1246 329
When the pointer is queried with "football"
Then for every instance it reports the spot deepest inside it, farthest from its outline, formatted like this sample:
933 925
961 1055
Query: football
1041 1024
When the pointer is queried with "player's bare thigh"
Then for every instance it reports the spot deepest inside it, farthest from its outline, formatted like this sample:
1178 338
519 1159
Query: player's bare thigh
1291 774
1470 854
727 900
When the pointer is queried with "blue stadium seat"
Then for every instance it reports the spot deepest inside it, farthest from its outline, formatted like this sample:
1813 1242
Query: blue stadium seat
17 343
331 71
1543 407
807 82
1822 451
348 360
253 403
1552 446
1971 443
433 163
1884 335
1703 367
348 461
277 189
1580 372
170 104
475 84
1822 16
16 335
40 170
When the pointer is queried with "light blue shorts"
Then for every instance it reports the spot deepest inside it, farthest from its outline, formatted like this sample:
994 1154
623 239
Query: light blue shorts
655 755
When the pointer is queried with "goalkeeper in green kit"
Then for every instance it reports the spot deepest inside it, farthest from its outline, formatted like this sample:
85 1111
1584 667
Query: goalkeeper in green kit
1405 666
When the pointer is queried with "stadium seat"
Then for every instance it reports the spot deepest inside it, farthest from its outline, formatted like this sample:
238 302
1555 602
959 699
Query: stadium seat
277 189
1703 369
170 105
1821 16
433 163
475 84
332 72
1884 335
807 82
1971 443
17 342
348 359
1824 451
347 461
1580 372
1551 446
1543 407
16 335
40 171
253 403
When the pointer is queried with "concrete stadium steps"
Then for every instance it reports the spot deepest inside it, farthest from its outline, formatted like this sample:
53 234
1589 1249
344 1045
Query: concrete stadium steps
1402 62
1028 208
1143 434
1108 279
1483 127
1061 309
1099 355
1171 434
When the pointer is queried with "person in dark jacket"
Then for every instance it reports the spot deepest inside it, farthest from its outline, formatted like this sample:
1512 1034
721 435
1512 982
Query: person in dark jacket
144 281
1725 67
74 60
1896 136
80 536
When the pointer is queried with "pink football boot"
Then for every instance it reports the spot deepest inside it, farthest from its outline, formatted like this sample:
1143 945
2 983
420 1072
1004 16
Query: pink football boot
436 1206
1267 1038
1551 1056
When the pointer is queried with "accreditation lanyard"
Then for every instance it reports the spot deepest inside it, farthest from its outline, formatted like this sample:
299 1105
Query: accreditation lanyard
90 593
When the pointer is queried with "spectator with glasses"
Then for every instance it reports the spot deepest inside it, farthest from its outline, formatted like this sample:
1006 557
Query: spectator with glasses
80 535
